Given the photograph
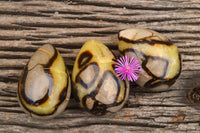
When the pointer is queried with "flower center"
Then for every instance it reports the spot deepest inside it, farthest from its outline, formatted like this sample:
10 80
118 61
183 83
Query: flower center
127 69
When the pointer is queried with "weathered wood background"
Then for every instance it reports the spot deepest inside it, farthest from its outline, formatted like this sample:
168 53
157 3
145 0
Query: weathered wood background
67 24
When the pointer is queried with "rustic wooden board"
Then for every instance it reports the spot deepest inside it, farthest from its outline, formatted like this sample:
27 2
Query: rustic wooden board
26 25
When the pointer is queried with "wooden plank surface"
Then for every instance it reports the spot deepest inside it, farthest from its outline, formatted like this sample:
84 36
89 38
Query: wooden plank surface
25 25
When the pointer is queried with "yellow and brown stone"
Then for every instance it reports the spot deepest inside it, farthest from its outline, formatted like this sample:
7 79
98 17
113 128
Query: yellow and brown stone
95 84
44 88
158 56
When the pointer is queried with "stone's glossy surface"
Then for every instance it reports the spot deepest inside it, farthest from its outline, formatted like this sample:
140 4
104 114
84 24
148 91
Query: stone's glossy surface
44 89
159 57
95 84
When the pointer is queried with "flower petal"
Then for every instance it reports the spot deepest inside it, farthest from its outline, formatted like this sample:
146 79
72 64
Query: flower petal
127 68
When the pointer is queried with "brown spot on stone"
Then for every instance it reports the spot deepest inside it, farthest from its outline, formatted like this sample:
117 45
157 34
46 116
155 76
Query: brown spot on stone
143 77
37 83
88 76
41 56
89 103
137 55
141 36
157 66
108 89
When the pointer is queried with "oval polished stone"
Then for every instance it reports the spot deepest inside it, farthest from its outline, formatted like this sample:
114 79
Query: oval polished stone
95 84
44 88
158 56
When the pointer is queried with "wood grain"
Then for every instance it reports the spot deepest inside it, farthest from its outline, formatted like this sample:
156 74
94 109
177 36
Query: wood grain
26 25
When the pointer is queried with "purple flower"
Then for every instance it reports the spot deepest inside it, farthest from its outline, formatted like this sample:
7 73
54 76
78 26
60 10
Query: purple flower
127 68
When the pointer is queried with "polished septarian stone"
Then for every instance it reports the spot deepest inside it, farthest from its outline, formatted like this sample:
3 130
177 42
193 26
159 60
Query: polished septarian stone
95 84
45 87
158 56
